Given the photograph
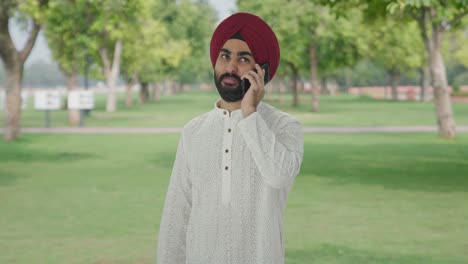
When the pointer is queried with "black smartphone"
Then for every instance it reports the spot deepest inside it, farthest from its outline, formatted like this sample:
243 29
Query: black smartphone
245 83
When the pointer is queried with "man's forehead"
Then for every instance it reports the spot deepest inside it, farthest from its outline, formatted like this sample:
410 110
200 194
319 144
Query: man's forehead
236 45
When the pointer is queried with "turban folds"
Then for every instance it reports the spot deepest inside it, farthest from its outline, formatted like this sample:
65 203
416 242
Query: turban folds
256 33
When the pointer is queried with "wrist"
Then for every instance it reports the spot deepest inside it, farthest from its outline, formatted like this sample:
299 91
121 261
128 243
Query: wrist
248 111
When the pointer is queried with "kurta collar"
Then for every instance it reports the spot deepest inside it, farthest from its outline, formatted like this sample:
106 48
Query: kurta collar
221 112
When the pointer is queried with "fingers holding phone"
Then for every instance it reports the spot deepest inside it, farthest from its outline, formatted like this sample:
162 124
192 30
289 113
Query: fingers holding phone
256 80
259 72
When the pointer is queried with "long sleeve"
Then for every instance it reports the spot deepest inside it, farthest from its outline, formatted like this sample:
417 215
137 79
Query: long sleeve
176 213
277 154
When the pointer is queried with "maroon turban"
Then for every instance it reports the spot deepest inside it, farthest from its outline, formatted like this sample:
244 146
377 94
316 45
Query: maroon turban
256 33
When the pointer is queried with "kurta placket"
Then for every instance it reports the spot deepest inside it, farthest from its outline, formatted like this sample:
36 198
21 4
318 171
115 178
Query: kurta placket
226 167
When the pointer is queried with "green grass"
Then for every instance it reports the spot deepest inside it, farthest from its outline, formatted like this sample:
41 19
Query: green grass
175 111
360 198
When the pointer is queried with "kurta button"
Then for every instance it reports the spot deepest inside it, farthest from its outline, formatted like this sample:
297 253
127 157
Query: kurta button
229 130
226 168
227 150
224 112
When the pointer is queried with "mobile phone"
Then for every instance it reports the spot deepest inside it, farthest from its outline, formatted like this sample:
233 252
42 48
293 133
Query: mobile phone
245 83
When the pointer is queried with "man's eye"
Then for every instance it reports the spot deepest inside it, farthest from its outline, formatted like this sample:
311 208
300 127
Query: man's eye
224 56
244 59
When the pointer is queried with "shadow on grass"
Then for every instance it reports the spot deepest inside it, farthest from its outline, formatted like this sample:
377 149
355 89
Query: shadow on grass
335 254
164 160
432 167
7 177
19 152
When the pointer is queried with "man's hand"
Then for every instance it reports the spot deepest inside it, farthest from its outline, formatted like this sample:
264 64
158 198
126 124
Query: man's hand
256 92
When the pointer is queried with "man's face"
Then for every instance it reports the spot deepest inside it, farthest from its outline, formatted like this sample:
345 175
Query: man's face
234 60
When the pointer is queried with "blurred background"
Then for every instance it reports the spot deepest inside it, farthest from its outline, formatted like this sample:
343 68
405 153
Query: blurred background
94 92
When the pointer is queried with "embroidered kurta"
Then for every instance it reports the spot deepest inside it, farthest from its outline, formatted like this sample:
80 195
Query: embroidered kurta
229 187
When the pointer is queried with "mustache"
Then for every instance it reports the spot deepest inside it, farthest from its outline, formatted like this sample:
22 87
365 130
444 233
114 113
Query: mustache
230 75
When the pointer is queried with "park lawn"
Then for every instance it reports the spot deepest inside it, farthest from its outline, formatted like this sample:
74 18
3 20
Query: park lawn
175 111
360 198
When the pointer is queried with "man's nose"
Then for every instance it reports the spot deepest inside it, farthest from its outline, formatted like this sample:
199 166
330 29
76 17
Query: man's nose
231 67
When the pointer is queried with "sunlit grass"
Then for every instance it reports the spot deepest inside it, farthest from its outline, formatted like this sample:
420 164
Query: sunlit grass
361 198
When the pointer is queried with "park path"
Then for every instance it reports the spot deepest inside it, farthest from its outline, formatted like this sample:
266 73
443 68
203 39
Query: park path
166 130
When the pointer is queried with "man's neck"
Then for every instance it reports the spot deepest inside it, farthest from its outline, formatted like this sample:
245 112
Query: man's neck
230 106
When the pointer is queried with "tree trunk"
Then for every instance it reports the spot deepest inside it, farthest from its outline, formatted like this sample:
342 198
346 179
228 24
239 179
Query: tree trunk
177 87
293 84
324 89
12 110
425 81
156 92
168 87
73 114
13 62
442 102
282 91
112 73
314 78
129 95
347 80
394 82
300 87
144 93
131 81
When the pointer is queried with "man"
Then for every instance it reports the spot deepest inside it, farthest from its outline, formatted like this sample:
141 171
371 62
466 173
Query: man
235 165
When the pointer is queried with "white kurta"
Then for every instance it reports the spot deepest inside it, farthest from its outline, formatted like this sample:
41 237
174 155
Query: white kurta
229 187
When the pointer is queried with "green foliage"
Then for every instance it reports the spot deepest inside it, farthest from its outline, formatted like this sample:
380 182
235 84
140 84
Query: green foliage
395 45
298 24
68 33
443 12
149 49
34 9
461 79
190 23
292 37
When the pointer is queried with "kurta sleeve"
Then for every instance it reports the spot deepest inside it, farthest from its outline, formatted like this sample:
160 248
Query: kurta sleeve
176 213
277 154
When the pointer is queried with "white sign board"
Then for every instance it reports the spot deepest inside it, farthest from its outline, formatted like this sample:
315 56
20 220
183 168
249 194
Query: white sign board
47 100
80 99
24 100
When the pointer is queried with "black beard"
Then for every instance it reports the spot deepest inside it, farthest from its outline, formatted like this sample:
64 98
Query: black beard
229 93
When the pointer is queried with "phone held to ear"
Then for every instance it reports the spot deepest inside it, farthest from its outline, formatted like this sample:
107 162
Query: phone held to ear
245 83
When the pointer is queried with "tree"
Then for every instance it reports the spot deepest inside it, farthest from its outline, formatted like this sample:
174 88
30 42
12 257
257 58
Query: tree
192 22
309 27
149 51
13 60
290 36
68 37
434 18
393 45
109 24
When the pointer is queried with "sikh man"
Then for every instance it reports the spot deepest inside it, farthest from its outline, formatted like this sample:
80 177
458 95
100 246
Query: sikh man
236 164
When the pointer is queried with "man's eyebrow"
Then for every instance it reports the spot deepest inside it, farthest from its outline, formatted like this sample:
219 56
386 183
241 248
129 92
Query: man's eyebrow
244 53
240 53
226 51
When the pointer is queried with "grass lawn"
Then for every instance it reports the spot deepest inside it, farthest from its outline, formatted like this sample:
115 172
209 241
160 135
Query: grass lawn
175 111
360 198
